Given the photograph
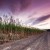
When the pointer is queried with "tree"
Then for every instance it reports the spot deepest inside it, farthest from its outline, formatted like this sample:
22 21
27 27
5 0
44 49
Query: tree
48 30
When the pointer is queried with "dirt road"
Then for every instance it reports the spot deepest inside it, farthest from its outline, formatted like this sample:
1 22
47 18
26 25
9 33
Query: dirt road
37 42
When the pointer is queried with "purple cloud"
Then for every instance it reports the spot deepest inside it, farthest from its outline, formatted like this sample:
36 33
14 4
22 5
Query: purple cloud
41 19
15 5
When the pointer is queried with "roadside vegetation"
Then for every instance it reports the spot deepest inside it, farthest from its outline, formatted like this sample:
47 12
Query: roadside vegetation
11 32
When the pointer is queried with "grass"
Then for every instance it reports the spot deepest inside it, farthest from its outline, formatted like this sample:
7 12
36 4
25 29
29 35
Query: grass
13 32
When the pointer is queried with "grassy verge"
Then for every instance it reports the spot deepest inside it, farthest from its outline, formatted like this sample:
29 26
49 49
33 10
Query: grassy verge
10 32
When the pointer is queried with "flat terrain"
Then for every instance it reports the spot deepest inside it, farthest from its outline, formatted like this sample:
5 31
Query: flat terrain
36 42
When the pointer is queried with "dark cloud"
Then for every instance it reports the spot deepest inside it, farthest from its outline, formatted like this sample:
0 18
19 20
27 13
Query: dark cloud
39 20
14 5
36 21
43 18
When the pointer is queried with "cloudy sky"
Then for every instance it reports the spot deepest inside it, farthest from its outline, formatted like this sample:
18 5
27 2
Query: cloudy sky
35 13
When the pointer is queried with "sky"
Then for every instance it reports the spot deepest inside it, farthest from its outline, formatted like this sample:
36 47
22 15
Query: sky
34 13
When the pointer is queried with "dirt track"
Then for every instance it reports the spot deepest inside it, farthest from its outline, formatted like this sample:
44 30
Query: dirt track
38 42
